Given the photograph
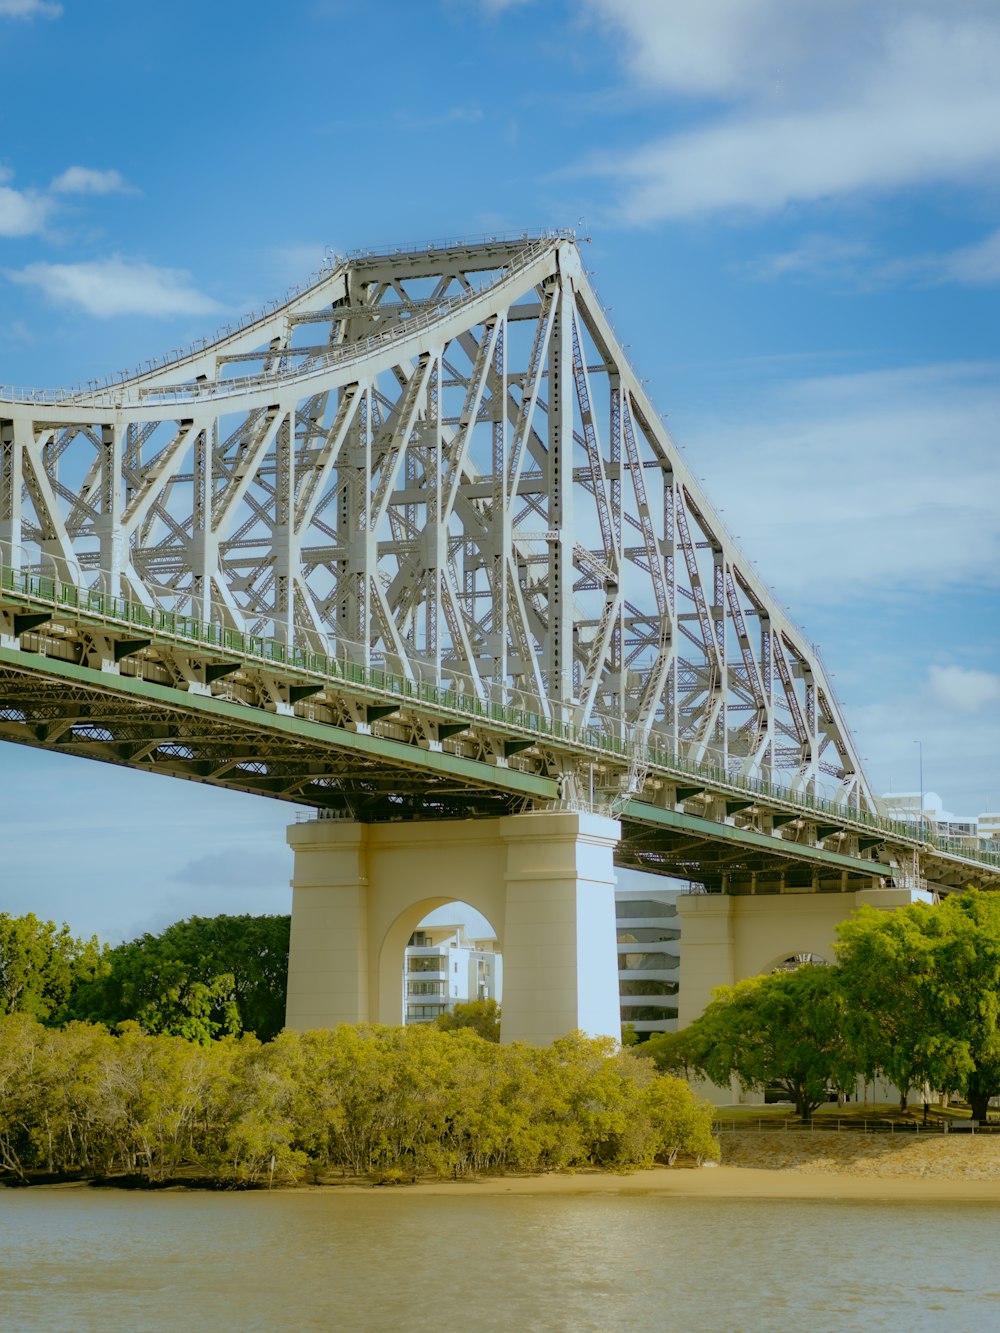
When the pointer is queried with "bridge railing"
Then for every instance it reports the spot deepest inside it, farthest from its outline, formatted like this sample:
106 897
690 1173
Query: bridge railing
342 666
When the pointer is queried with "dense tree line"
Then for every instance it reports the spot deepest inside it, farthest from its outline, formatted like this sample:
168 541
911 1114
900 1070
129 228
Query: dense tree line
202 978
385 1102
915 998
42 964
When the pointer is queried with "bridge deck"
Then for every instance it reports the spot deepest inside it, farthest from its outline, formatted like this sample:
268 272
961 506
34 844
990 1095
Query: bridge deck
109 679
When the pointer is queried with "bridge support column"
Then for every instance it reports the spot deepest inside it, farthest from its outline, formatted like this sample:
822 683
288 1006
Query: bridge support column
560 957
544 880
328 967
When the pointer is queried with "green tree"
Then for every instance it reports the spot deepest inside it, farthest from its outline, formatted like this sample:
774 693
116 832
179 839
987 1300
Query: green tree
40 963
670 1052
202 978
783 1028
923 984
482 1016
680 1121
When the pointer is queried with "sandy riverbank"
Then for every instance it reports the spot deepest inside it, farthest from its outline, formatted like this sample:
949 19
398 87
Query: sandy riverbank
819 1165
723 1182
772 1165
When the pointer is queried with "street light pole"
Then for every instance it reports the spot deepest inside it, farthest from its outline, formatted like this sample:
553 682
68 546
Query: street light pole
920 751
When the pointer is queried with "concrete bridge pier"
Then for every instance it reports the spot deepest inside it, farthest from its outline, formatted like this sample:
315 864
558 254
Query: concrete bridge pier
544 880
727 937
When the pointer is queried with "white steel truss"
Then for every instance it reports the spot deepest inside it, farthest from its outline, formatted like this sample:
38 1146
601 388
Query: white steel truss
440 461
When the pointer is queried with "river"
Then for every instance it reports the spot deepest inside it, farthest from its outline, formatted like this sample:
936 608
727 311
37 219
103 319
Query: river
77 1260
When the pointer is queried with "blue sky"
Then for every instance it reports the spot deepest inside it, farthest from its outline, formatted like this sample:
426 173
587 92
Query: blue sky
794 213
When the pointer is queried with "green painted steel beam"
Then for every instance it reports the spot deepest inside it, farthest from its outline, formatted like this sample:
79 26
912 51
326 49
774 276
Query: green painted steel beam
653 814
412 756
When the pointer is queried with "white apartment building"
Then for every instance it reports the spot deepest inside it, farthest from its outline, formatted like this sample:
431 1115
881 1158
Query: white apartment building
442 967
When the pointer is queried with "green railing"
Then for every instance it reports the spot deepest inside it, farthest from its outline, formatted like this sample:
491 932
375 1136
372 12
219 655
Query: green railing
653 753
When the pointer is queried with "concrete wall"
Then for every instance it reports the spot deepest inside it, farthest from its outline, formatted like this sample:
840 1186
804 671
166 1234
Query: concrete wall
544 880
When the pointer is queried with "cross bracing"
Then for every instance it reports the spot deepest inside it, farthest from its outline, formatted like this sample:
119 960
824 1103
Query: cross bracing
433 469
443 458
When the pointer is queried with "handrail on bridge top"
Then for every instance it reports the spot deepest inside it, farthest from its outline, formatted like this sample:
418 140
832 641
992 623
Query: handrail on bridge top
173 625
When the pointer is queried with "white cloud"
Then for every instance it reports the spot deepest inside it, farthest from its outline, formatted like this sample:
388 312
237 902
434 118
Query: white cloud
22 212
961 689
115 286
828 255
869 485
715 47
818 101
859 263
975 264
85 180
29 9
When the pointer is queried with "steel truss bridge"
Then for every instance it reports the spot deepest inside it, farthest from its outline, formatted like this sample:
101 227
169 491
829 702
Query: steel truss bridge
412 543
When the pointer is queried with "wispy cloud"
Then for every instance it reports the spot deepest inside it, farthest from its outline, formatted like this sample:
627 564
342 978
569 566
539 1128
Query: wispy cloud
880 484
975 265
22 212
236 867
115 286
817 255
27 212
865 266
29 9
962 689
86 180
811 102
498 6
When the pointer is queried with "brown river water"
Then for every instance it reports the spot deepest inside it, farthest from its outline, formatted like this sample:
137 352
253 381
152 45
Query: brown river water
396 1260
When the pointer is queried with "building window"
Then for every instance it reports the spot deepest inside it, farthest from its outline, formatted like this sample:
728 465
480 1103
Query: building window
647 1013
435 964
645 988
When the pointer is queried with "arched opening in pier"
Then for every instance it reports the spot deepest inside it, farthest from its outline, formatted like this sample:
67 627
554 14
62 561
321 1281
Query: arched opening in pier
438 953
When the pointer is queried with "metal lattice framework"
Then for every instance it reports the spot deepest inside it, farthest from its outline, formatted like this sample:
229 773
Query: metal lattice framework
440 462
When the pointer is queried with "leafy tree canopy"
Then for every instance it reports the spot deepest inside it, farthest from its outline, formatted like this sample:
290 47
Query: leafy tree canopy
40 963
923 991
482 1016
783 1028
391 1102
201 978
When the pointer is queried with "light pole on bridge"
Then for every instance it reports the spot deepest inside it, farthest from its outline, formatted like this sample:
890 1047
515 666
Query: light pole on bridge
920 752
